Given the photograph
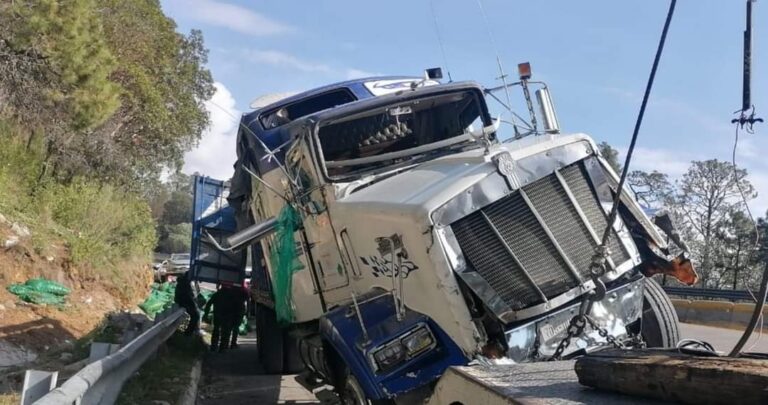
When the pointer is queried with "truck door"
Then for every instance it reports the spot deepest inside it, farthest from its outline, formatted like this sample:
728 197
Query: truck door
212 215
322 238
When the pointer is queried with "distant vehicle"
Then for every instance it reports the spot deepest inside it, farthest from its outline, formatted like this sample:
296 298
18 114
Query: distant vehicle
178 263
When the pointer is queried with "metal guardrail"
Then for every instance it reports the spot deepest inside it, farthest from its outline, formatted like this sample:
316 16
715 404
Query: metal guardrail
731 295
100 382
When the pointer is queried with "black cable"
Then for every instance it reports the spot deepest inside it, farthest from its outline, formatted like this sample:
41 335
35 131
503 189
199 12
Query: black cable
755 315
617 200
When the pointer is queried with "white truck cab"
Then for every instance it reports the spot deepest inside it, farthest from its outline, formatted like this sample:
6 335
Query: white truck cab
392 235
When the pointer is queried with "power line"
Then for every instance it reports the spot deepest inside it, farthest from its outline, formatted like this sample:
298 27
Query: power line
440 39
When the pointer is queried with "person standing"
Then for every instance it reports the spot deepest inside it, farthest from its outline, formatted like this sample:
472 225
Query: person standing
185 298
240 297
225 311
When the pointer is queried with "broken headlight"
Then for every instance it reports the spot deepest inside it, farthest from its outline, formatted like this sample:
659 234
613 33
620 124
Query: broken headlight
408 346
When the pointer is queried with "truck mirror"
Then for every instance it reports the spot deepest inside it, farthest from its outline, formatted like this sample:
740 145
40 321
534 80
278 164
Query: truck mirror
434 73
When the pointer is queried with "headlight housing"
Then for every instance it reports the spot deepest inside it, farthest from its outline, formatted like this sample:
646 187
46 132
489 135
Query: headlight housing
412 343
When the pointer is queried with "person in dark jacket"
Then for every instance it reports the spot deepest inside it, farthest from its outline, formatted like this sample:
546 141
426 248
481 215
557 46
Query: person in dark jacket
227 305
240 300
185 298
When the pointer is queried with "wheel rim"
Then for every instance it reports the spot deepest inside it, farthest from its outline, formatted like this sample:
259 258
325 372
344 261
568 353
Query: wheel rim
353 393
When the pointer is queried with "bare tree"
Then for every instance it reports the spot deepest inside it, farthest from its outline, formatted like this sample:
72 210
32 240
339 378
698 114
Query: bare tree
707 194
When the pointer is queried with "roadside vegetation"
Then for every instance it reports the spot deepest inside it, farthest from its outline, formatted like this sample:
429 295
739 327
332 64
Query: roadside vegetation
97 99
167 377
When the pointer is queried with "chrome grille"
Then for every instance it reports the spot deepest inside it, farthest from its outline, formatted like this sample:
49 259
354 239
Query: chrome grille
576 177
533 245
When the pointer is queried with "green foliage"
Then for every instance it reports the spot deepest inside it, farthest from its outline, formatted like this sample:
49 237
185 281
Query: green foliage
175 238
177 209
165 83
69 35
611 155
107 224
101 224
115 93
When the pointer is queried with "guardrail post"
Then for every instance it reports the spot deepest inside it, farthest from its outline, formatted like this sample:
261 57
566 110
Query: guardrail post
101 381
100 350
37 384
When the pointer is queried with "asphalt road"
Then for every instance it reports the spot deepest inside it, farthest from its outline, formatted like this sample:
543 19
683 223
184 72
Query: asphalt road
235 377
724 339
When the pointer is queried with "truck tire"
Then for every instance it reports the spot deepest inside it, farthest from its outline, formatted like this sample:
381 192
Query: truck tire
269 340
660 326
353 393
292 363
278 350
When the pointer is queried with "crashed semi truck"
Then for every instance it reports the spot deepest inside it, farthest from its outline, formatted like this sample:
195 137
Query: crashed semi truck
393 235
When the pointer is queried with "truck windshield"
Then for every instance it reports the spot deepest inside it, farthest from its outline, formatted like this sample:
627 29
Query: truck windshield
400 133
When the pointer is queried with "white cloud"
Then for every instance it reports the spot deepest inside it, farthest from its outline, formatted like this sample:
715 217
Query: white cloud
358 74
215 154
282 59
673 163
230 16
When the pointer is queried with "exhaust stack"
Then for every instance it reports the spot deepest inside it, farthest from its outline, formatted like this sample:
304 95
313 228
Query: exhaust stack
551 124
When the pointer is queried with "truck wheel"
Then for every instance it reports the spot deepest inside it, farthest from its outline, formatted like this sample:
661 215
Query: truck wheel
292 363
661 328
353 393
278 351
269 340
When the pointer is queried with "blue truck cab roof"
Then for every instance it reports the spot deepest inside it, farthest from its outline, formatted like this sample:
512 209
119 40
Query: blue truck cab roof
268 123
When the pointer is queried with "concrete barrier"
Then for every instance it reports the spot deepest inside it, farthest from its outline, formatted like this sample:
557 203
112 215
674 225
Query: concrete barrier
723 314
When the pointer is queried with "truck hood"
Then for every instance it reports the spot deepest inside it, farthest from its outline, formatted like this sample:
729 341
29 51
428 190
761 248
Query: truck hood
421 190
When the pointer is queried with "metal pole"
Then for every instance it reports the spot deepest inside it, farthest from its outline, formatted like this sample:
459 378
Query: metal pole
746 100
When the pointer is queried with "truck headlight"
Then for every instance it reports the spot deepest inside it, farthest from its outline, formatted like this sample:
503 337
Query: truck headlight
408 346
418 341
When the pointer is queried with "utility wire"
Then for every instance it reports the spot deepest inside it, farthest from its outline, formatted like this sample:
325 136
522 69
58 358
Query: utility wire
440 40
502 75
741 190
638 123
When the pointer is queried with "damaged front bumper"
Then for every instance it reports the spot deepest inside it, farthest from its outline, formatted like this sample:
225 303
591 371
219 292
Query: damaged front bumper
538 339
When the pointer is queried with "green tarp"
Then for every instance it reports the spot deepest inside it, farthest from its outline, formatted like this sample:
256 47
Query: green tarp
285 262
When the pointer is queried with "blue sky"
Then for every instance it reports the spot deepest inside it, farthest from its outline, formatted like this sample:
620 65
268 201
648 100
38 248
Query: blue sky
594 55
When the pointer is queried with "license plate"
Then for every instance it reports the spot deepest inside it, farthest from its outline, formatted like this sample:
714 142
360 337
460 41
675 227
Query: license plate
548 331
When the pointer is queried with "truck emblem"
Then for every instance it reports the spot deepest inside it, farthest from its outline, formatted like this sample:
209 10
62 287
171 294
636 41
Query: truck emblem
383 267
506 166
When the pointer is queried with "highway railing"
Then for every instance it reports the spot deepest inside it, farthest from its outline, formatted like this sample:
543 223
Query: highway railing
713 293
101 381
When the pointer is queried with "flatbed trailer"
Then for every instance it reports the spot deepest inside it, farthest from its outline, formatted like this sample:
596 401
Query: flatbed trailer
552 382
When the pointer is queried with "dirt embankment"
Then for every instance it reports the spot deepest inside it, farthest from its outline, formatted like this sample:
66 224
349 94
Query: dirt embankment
40 329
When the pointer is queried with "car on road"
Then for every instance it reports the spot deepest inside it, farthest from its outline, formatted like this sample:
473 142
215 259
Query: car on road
178 263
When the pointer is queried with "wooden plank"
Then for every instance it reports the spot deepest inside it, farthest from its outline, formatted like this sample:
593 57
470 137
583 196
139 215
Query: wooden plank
673 376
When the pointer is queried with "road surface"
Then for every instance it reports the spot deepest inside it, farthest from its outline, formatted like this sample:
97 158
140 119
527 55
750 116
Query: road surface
235 377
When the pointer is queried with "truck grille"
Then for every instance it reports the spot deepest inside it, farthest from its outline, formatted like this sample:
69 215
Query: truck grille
534 243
